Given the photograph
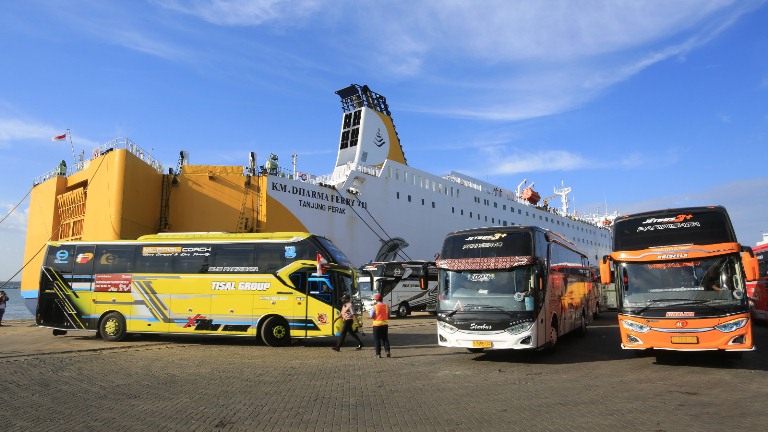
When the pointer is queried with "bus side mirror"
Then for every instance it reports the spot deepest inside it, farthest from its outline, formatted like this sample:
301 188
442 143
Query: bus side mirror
751 270
605 270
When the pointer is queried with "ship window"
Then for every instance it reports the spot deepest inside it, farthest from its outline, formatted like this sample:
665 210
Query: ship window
344 139
519 211
493 220
495 205
356 118
405 176
462 212
457 193
504 223
397 174
409 198
504 207
433 204
355 133
470 214
478 216
486 218
347 120
422 201
426 183
398 195
440 188
453 209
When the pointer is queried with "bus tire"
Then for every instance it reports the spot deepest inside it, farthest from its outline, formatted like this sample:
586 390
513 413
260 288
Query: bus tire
403 310
275 332
583 324
112 327
596 314
553 334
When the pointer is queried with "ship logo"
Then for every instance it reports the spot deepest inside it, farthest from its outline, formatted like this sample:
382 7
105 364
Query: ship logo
379 139
390 249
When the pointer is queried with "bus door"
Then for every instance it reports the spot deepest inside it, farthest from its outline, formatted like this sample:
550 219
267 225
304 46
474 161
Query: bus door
319 309
82 284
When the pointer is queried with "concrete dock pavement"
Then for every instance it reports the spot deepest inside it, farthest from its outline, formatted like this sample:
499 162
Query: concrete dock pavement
79 382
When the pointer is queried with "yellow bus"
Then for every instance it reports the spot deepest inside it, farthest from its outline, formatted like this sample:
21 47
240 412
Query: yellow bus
271 286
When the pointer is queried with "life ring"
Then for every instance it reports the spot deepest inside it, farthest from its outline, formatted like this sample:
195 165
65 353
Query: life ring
95 154
303 177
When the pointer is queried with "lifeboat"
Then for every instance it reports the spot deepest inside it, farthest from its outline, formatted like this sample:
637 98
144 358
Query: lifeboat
530 195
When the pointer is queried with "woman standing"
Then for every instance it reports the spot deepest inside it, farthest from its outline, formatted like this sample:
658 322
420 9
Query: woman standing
349 315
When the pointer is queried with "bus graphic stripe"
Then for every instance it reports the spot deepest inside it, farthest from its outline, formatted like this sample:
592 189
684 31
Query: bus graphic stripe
155 305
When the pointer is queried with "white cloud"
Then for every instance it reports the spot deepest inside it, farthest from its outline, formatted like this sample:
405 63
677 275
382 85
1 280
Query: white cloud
247 12
515 161
13 130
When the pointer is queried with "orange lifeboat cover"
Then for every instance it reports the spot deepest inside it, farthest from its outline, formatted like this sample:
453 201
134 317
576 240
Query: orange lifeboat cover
530 195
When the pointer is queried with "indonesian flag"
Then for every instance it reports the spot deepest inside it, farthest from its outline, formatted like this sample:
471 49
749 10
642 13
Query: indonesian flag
59 137
320 262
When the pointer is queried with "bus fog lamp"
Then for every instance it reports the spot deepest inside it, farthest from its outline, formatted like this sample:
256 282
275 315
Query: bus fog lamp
632 339
446 327
635 326
733 325
519 327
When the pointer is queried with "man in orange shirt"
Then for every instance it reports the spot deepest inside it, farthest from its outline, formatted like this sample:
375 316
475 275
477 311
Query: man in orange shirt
380 315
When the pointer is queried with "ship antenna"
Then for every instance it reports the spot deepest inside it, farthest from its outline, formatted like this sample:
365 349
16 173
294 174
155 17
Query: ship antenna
563 192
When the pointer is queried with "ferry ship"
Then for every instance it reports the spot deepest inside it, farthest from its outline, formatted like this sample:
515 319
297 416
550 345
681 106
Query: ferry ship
373 206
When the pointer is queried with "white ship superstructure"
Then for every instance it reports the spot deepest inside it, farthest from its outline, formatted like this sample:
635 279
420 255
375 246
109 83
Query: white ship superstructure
375 207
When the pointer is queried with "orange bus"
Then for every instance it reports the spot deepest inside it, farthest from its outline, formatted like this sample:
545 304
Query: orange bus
681 280
758 290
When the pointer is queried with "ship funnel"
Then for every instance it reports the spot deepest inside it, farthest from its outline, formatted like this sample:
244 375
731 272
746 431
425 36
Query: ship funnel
368 135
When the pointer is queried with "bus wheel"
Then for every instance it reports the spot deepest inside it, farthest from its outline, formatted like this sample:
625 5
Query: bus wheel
275 332
552 337
402 310
57 332
583 325
475 350
596 313
112 327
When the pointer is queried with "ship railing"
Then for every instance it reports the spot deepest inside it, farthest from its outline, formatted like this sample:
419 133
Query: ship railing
118 143
464 182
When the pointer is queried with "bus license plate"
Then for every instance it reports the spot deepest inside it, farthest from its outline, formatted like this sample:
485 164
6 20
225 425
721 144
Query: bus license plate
685 339
482 344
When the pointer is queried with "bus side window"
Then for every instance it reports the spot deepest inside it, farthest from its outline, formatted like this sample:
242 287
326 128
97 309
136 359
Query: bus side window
299 281
61 259
114 259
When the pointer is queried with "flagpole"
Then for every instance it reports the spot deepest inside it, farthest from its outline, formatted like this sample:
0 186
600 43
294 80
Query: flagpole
74 159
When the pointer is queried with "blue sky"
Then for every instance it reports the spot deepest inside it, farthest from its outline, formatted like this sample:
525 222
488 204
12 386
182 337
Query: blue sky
635 104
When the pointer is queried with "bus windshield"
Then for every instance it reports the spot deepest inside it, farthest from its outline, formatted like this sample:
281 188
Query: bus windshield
337 255
708 282
506 290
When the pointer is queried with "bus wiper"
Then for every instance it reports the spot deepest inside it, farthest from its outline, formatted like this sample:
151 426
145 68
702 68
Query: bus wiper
685 302
479 306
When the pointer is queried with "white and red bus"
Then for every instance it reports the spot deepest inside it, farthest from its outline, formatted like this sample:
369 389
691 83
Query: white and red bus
510 288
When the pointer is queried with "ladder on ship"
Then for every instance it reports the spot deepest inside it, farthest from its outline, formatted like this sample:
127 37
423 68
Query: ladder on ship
242 221
165 200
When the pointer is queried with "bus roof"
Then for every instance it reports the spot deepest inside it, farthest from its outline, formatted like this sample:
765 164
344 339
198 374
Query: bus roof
516 228
201 236
673 226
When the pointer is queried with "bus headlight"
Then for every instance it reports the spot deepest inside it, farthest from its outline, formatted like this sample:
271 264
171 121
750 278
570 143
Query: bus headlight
519 327
635 326
444 326
733 325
